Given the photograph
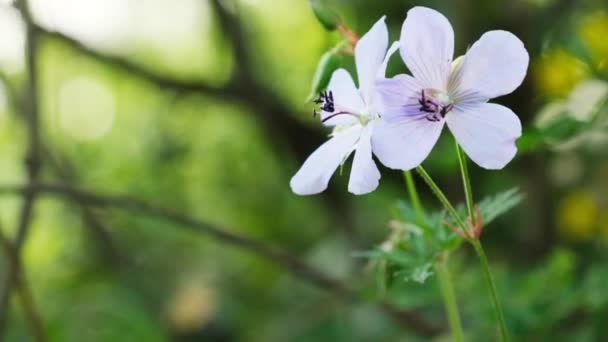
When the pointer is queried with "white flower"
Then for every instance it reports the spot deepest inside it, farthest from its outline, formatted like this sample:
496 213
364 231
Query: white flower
441 91
353 114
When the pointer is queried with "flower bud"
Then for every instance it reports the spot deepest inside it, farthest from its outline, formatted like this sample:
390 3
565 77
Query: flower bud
327 65
328 18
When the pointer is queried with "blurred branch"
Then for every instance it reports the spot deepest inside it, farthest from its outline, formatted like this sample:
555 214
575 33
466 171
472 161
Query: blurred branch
107 247
244 89
279 257
17 279
32 158
135 69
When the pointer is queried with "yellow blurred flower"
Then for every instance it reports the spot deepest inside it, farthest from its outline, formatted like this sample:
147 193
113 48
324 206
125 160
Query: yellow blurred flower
593 32
576 216
556 73
191 306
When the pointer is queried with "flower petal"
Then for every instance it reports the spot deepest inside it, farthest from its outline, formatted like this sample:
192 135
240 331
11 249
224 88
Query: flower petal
364 175
346 99
314 175
494 66
427 46
395 94
487 133
394 47
369 55
404 142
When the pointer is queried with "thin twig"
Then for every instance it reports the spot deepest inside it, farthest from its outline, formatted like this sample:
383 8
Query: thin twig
242 89
19 282
32 159
283 259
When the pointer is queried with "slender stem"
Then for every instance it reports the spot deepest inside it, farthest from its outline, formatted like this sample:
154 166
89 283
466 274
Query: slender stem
411 189
443 275
444 200
447 291
491 285
478 249
466 181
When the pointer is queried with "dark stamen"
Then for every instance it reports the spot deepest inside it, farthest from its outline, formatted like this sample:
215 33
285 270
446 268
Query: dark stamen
435 110
326 101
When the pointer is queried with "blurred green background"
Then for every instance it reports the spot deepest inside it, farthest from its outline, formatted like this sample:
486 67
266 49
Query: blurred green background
199 106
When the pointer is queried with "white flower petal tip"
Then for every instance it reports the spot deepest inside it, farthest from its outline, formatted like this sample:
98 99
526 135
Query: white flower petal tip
314 175
404 143
370 54
495 65
427 46
364 176
487 133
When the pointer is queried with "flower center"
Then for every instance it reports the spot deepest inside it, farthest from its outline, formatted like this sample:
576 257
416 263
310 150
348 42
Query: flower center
435 104
325 101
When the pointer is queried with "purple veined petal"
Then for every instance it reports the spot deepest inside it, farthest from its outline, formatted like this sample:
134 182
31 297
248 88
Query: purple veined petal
314 175
427 46
364 175
369 55
346 99
404 142
494 66
397 94
487 133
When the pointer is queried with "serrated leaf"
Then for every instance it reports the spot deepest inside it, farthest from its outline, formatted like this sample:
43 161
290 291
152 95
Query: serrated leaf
494 206
418 274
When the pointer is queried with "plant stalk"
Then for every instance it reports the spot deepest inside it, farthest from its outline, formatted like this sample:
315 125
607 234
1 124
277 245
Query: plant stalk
466 181
476 243
443 275
449 299
492 287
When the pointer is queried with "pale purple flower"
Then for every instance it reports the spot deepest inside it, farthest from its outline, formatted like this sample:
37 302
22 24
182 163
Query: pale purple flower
352 113
414 109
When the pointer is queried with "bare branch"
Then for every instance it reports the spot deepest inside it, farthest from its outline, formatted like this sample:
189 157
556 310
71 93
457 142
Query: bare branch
32 159
18 280
283 259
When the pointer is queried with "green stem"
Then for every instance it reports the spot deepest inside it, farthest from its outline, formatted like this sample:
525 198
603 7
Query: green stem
443 275
478 249
493 293
444 200
447 291
466 181
411 189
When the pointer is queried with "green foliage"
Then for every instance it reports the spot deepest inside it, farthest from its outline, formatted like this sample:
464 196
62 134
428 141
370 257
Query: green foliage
412 249
327 65
328 18
493 206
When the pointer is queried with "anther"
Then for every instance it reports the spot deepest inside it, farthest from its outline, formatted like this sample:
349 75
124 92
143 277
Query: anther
326 101
435 109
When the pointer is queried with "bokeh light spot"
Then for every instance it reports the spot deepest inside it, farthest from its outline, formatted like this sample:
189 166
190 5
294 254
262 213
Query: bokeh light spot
556 73
12 42
86 109
576 215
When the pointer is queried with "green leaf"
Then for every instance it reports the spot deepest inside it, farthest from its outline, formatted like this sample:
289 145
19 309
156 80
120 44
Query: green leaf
403 264
494 206
328 63
418 274
328 18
